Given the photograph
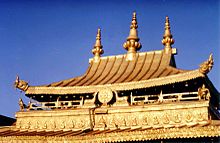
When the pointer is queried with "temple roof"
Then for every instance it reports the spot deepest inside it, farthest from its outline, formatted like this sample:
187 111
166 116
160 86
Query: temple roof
148 69
116 69
127 71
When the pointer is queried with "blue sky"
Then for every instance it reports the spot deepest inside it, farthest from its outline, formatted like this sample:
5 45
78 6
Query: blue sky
46 41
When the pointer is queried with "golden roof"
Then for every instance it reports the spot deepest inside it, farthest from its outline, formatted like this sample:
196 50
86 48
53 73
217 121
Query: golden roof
148 69
116 69
125 72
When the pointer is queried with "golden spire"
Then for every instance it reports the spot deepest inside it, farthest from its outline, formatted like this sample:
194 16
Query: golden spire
132 45
97 50
167 37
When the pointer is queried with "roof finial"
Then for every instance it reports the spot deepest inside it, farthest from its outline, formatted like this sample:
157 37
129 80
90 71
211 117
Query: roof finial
132 45
97 50
134 21
167 37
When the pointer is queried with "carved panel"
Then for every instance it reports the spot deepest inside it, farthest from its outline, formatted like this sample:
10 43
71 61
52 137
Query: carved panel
111 117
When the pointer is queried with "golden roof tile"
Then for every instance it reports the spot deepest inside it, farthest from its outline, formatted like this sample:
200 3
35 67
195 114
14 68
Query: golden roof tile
117 69
178 76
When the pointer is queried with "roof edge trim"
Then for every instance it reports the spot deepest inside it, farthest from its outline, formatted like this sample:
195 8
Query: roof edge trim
117 86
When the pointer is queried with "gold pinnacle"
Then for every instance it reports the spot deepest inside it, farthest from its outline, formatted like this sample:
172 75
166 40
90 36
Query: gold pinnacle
167 37
132 45
134 21
97 50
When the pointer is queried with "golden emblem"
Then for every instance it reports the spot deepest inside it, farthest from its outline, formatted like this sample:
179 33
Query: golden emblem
105 95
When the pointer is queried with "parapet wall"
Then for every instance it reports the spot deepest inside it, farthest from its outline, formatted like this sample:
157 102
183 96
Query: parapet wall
148 116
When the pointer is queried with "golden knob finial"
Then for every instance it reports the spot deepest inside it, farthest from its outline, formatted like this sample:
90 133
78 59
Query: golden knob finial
167 37
97 50
132 45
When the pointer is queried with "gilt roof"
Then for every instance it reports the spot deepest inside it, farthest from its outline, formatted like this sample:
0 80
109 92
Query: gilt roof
147 69
124 72
116 69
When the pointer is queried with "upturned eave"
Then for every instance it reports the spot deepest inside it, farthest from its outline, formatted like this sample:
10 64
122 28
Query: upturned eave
190 75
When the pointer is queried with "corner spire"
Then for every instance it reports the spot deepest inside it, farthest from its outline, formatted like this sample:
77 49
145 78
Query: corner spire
167 40
132 45
97 50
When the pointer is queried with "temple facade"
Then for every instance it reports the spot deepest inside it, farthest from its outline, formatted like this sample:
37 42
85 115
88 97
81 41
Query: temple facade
136 96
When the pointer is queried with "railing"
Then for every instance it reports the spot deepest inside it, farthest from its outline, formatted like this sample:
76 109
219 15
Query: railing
171 97
135 100
55 105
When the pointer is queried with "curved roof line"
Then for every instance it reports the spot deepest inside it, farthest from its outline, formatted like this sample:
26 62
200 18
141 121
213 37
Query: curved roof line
175 78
